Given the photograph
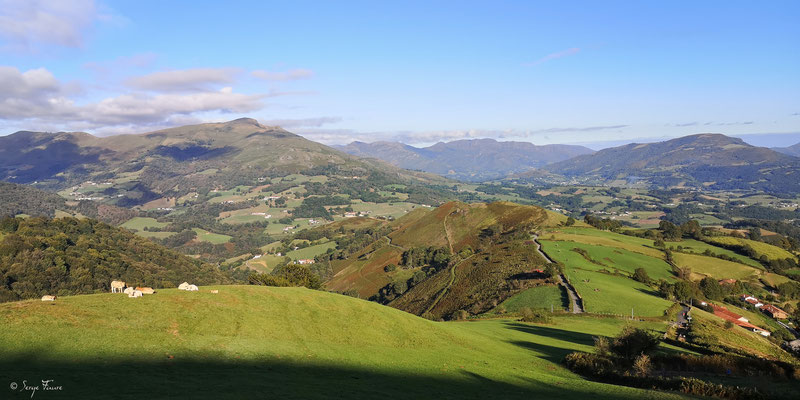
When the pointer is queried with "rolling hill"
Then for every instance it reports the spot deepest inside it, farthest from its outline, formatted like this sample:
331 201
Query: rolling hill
248 341
457 257
793 150
176 161
471 160
62 256
712 161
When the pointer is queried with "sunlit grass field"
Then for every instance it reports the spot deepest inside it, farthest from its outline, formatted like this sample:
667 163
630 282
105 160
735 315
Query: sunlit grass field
251 341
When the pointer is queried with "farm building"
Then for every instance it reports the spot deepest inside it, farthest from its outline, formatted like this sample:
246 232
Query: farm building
737 319
752 300
774 312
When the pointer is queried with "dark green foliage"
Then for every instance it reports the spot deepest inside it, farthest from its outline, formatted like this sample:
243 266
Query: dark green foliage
314 207
434 257
536 316
288 275
789 290
604 223
570 221
640 275
632 342
21 199
711 288
66 256
670 230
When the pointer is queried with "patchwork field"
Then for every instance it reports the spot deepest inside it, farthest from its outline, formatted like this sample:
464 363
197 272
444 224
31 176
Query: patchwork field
715 267
604 238
540 297
761 249
610 292
289 343
696 246
214 238
139 223
311 251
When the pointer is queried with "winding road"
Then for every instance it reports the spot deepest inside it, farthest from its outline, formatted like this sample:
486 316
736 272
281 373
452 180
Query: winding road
577 303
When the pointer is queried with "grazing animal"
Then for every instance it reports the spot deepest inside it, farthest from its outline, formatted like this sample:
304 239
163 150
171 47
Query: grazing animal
146 290
48 298
135 293
183 286
192 288
117 286
129 290
215 291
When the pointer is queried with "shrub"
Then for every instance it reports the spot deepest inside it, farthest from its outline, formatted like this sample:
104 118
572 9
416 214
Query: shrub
537 316
390 268
640 275
632 342
642 365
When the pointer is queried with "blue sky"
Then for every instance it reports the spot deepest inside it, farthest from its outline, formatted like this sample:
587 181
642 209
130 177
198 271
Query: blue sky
418 72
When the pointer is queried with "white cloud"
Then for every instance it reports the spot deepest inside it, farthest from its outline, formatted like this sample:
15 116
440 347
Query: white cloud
195 79
27 24
303 122
37 98
290 75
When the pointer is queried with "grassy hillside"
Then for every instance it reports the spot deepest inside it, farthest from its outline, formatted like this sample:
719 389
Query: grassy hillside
40 256
249 341
489 257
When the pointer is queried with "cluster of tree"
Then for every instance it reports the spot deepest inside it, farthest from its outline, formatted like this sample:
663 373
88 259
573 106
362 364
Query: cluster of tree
288 275
605 224
314 206
433 257
65 256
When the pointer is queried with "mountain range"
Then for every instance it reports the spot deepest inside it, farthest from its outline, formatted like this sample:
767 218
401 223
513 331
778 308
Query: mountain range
176 161
469 160
712 161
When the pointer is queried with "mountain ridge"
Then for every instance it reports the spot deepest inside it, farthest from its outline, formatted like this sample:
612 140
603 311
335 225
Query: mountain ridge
468 159
707 160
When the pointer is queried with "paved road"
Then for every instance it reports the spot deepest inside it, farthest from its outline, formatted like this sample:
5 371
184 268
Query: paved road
577 306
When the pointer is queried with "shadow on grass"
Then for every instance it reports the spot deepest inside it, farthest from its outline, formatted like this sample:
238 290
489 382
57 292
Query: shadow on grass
554 333
650 292
266 379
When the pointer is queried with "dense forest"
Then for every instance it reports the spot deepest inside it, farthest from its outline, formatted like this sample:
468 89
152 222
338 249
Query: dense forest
66 256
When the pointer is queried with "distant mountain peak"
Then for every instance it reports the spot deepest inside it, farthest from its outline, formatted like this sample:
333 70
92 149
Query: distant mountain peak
245 121
468 159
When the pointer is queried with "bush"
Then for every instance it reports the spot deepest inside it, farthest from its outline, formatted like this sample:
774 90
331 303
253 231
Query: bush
640 275
537 316
632 342
390 268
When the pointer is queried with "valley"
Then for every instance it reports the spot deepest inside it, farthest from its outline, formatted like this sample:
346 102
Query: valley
360 274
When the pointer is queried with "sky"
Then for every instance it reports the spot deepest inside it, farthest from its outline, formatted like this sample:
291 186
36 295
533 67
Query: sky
417 72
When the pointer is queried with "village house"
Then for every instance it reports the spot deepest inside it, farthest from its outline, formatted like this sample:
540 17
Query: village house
305 261
727 281
751 300
350 214
774 312
738 320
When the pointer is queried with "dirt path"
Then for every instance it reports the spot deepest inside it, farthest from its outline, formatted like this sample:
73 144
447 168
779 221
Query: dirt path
449 284
447 234
389 242
577 304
